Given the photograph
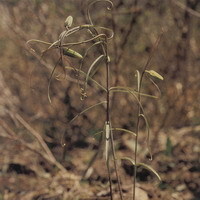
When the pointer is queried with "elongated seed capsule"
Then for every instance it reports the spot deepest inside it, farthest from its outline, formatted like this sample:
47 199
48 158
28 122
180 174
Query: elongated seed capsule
86 26
154 74
71 53
107 140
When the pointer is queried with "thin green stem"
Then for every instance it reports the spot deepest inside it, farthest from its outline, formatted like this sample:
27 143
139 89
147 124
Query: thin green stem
135 153
139 108
108 120
115 163
108 113
109 177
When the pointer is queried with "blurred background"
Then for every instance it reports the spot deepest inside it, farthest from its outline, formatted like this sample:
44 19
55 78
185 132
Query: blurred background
32 131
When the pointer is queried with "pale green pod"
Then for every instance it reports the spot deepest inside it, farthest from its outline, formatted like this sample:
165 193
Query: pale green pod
107 140
154 74
71 53
138 79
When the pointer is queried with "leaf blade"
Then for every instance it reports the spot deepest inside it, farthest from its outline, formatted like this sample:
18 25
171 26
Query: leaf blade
149 168
129 159
94 64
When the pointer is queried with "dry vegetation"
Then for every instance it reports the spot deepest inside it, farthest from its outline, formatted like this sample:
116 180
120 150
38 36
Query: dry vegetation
33 163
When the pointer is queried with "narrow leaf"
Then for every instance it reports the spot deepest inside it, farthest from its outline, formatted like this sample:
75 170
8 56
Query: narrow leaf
94 64
93 106
155 85
124 130
86 53
38 41
50 79
149 168
130 90
54 44
169 147
95 82
154 74
97 133
129 159
148 134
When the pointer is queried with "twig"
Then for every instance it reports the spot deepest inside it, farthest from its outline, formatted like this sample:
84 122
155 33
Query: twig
36 135
13 136
188 9
133 17
51 158
155 46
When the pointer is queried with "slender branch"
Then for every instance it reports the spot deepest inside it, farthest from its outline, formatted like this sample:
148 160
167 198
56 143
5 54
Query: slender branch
13 136
133 18
155 46
115 164
36 135
186 8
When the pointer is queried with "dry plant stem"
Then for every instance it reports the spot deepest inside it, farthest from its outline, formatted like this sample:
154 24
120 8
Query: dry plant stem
108 122
139 109
186 8
135 154
36 135
115 164
108 117
127 33
41 142
93 158
105 52
13 136
109 177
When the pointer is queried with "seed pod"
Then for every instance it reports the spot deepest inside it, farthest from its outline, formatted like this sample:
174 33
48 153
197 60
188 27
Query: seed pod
108 59
154 74
71 53
68 22
107 140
